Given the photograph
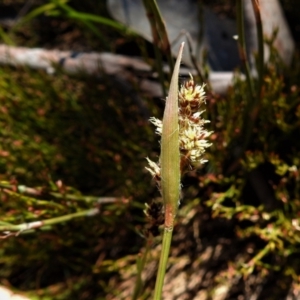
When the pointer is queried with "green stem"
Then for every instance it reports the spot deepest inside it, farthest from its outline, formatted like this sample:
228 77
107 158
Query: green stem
160 27
257 258
160 39
152 17
141 262
248 125
35 192
260 40
8 228
166 244
242 47
195 61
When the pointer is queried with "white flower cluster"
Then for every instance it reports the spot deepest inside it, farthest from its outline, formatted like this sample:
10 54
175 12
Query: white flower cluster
192 135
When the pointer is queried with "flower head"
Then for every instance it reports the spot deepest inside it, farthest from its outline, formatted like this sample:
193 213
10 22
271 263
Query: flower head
154 169
191 96
193 137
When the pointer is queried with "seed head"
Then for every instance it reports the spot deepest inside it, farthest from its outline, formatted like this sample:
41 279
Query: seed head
193 137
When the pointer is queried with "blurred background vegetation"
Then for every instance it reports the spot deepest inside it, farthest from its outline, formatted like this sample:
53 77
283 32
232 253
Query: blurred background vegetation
76 139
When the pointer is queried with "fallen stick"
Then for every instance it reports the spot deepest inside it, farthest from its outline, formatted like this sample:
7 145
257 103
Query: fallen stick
132 71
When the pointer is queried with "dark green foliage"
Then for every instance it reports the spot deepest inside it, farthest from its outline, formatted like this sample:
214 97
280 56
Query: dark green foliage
89 135
256 185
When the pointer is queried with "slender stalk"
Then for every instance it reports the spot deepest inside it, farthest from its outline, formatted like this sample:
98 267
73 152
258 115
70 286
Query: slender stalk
34 192
195 60
199 50
140 267
242 47
9 228
249 110
260 40
260 254
156 43
200 36
166 244
160 39
158 24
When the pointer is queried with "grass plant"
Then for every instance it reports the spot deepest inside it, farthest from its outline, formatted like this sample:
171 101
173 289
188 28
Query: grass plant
238 225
